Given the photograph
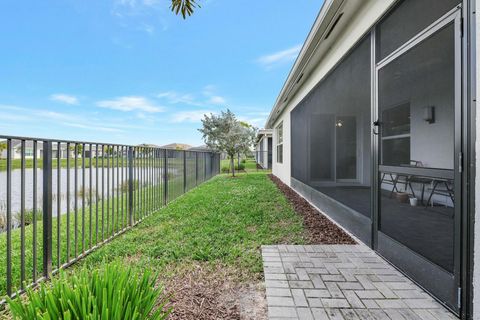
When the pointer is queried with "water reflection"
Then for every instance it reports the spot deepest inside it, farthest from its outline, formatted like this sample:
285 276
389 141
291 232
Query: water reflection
114 180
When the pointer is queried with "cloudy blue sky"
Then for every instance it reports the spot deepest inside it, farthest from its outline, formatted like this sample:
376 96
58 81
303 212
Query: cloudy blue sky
129 71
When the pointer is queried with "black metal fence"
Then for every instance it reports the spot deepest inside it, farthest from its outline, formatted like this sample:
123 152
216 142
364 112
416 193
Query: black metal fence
59 200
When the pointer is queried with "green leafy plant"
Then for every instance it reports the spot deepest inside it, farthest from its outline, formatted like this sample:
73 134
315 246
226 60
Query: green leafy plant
225 133
124 186
225 169
112 292
240 166
28 216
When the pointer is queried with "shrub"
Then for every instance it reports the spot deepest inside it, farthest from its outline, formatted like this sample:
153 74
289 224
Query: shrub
114 292
225 169
240 167
3 221
28 216
124 186
244 161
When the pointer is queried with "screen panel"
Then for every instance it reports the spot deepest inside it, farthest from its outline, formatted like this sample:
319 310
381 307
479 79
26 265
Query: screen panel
417 208
331 133
406 20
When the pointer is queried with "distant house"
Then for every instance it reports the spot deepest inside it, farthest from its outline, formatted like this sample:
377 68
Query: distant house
205 148
149 145
29 152
263 148
176 146
202 148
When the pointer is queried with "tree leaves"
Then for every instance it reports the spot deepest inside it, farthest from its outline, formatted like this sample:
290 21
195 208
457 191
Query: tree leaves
224 133
184 7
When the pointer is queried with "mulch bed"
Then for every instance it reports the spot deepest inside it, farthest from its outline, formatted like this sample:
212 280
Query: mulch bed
320 230
205 294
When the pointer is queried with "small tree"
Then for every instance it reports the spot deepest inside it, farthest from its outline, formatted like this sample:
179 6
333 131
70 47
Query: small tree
224 133
3 146
77 150
108 150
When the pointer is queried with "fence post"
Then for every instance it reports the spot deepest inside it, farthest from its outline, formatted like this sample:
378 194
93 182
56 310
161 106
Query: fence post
184 171
196 168
9 217
47 209
165 176
130 185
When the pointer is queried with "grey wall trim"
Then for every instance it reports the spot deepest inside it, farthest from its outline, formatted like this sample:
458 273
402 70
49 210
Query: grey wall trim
348 218
468 192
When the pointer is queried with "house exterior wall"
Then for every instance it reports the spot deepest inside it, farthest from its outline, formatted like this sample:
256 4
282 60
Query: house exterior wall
365 18
370 12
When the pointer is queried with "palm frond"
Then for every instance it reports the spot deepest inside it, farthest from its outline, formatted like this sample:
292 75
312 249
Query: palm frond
184 7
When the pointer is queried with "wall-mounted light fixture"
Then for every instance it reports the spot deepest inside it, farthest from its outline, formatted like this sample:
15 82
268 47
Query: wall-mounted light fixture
429 114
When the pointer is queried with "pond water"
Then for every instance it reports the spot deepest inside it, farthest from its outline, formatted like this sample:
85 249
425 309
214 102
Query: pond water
110 175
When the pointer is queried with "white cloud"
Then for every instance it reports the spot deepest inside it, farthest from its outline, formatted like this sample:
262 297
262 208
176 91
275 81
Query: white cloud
148 28
150 3
209 91
130 103
91 127
190 116
134 3
277 58
64 98
175 97
56 118
128 3
256 122
217 100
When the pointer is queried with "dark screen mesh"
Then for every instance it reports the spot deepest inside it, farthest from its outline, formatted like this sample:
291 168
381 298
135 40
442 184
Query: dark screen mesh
421 79
406 20
331 133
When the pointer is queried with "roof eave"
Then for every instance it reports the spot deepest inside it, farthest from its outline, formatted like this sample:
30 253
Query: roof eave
323 20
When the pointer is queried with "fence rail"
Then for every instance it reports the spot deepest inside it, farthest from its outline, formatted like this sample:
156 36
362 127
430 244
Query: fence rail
59 199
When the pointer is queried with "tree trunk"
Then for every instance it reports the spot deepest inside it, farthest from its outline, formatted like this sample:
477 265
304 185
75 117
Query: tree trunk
232 164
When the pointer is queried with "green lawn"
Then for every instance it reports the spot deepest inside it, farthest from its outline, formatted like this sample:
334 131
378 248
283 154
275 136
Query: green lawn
222 222
17 163
112 221
250 164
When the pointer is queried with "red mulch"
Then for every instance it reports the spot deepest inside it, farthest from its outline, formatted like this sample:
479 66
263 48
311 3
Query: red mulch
320 230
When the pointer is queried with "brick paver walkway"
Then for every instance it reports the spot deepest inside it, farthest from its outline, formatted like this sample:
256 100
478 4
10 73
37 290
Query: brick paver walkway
341 282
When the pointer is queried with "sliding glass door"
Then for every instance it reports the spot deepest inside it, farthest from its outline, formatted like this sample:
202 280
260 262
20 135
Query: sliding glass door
419 109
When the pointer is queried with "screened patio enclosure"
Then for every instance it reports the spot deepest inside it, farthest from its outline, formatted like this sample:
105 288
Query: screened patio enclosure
376 143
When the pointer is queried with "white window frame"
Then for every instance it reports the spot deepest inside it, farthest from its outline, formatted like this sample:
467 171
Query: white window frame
279 142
